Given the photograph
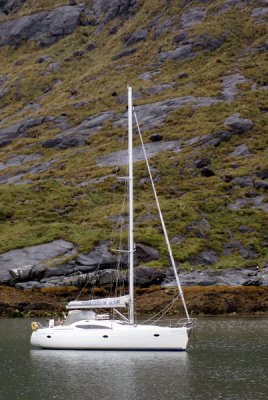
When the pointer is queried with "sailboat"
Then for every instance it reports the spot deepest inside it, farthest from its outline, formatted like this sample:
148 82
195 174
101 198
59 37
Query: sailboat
86 329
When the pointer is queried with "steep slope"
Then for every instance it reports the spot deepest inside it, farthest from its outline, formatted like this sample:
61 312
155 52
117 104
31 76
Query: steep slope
199 73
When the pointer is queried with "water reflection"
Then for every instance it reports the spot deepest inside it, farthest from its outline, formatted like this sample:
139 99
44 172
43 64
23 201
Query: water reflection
229 361
113 375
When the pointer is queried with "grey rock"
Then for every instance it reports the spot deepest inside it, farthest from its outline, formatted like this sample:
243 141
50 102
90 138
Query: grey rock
22 128
155 114
201 227
22 159
229 83
64 142
124 53
54 67
159 88
164 26
262 174
249 252
28 285
259 12
261 185
240 151
2 166
149 276
42 59
146 253
111 9
254 202
11 6
180 37
246 229
237 124
46 27
192 17
78 135
230 247
121 157
100 257
147 76
91 46
181 53
22 258
137 36
203 162
243 181
205 258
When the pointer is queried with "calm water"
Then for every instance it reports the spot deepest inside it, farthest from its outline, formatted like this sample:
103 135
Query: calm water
227 360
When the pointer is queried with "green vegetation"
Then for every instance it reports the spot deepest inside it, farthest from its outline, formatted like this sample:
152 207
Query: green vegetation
55 205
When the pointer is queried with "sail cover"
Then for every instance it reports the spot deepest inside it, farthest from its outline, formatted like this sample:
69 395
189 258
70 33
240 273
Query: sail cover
112 302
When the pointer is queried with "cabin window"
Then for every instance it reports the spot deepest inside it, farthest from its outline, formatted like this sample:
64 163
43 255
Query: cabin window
48 336
105 336
92 327
156 335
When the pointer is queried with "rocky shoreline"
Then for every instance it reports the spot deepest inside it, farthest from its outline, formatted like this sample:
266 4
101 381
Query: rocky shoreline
210 300
39 280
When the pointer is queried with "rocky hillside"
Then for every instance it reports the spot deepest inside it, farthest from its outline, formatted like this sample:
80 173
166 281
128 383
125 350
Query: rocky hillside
199 74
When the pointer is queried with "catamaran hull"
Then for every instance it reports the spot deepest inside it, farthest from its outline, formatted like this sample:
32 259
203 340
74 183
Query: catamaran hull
129 338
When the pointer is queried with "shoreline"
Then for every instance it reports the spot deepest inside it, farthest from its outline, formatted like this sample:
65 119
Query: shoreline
201 301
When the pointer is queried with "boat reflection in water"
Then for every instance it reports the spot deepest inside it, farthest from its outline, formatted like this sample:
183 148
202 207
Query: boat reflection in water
125 374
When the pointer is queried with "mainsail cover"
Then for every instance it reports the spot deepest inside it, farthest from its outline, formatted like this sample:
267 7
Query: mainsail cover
109 302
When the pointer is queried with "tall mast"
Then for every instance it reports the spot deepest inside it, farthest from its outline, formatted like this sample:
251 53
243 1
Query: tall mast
131 226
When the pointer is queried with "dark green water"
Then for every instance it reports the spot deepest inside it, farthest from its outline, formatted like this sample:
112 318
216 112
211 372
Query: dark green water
229 361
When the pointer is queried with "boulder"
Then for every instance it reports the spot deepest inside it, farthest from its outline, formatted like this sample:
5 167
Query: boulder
204 258
240 151
237 124
145 277
46 27
243 181
181 53
19 261
100 257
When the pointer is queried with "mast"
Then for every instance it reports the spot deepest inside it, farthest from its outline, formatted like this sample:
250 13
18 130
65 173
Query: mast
131 225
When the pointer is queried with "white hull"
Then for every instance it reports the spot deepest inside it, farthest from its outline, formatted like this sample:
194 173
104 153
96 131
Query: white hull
111 335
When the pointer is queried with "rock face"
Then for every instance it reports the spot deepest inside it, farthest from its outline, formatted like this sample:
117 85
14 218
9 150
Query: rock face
121 157
45 27
22 128
8 6
78 135
22 260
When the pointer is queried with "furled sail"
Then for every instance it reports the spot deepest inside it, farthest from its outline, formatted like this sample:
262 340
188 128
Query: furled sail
109 302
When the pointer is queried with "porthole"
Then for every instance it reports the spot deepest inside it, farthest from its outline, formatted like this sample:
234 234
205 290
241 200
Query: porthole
156 335
48 336
105 336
